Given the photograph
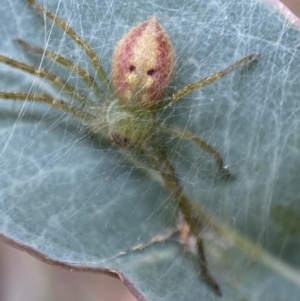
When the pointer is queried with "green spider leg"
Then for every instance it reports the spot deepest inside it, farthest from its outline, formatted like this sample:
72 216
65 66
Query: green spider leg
95 123
55 103
43 73
168 173
209 79
187 135
89 80
77 38
195 86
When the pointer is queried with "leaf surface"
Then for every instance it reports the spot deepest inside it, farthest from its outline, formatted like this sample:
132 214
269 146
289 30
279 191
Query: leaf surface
76 202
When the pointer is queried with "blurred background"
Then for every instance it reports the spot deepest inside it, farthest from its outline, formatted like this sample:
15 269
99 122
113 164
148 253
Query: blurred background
22 277
293 5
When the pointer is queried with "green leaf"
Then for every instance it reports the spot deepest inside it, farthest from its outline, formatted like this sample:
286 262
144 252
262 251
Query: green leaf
76 202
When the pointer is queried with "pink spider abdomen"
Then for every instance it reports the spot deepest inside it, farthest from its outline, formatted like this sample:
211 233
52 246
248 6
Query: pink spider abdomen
143 64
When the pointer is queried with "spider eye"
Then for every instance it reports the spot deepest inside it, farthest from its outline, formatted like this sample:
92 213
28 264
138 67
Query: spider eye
120 140
132 68
151 72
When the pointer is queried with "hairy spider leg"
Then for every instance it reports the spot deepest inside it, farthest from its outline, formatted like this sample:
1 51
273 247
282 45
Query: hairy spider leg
42 73
201 143
209 79
77 38
89 79
189 89
87 117
168 173
56 103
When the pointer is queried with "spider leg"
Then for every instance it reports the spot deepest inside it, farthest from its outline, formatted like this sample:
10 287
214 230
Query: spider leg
90 80
172 184
56 103
209 79
201 143
76 37
57 81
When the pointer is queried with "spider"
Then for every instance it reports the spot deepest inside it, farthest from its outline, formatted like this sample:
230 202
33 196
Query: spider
142 69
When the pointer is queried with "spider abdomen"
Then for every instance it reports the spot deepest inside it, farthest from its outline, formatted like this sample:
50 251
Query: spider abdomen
143 64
